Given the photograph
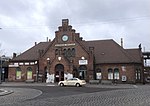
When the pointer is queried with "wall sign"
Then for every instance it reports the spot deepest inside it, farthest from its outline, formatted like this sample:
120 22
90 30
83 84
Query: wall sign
83 62
124 78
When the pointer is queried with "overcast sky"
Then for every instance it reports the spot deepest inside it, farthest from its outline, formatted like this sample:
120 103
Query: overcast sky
25 22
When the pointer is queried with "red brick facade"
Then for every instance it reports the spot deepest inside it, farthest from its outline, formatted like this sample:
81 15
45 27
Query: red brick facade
69 54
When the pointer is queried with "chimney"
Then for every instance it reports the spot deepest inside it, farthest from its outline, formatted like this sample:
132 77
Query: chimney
47 39
35 43
121 42
65 22
14 55
140 47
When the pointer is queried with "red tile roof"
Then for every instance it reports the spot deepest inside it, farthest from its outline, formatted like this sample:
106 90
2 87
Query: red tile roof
32 53
106 51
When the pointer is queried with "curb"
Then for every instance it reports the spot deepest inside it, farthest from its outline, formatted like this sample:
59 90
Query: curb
5 92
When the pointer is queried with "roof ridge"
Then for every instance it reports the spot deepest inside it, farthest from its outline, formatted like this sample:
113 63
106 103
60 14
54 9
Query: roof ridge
82 45
98 40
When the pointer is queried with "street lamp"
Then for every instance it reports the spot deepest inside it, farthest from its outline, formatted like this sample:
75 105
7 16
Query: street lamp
0 70
48 65
1 66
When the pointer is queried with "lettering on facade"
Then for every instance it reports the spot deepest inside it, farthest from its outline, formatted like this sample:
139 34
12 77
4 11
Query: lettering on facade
61 45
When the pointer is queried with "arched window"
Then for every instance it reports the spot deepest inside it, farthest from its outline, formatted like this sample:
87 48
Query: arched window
98 74
65 52
69 52
18 73
29 73
56 52
116 73
73 52
110 74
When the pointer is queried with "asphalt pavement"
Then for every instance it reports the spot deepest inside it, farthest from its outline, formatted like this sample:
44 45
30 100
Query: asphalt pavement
44 94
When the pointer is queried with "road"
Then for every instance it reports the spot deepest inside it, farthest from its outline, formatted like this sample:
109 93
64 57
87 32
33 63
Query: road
73 96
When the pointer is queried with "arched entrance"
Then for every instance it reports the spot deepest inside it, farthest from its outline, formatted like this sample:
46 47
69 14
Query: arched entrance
59 72
82 72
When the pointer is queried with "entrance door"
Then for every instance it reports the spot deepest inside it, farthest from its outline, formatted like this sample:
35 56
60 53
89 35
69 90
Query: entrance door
59 72
82 72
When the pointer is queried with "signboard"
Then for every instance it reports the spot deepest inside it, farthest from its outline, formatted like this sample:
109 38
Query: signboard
15 65
124 78
83 62
123 68
98 76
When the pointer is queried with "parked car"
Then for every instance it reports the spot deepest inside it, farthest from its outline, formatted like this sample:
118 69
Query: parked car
72 82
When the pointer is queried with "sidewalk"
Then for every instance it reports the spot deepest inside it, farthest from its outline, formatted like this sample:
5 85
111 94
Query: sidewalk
5 92
27 84
112 86
55 84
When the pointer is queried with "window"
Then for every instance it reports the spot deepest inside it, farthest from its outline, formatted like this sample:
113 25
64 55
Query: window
73 52
56 52
65 52
138 74
18 73
69 52
29 73
110 74
98 74
116 73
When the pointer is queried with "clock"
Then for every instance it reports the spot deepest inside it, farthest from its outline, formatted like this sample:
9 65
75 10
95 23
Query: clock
65 37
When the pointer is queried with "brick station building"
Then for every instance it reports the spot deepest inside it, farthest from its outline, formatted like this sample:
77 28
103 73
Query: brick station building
68 55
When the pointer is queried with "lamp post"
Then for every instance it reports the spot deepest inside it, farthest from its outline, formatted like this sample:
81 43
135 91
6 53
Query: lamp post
48 64
0 68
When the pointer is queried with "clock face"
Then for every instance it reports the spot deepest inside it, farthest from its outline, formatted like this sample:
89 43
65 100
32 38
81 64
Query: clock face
64 37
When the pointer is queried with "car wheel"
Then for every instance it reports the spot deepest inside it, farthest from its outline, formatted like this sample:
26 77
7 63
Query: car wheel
77 85
61 84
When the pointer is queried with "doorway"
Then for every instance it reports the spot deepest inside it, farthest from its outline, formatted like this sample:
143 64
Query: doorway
59 72
82 72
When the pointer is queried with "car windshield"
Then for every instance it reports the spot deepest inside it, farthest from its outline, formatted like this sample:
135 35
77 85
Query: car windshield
72 79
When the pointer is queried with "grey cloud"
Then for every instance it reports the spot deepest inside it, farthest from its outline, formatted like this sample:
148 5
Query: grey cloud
32 20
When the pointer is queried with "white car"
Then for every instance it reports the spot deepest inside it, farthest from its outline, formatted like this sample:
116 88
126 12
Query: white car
72 82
